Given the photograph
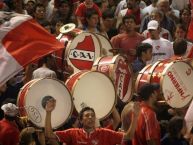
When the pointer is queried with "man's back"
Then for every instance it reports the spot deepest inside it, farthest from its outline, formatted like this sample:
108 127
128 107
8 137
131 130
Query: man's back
147 127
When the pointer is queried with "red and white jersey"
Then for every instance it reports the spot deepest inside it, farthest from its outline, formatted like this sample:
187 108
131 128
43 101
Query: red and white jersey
162 49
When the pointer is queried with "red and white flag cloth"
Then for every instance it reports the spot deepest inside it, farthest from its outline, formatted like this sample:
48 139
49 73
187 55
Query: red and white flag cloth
22 40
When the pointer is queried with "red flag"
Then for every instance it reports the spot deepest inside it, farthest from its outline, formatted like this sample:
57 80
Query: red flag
22 40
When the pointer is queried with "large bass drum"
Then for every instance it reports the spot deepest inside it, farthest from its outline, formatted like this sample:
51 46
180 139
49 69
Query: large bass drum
120 72
34 94
175 79
85 49
93 89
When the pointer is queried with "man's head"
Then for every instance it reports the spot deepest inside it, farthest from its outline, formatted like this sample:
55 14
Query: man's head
129 22
156 15
92 18
152 27
39 12
108 18
149 93
163 5
144 50
180 47
180 31
87 118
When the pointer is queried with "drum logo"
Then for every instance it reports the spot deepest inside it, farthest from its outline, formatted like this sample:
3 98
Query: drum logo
122 80
175 81
82 56
34 114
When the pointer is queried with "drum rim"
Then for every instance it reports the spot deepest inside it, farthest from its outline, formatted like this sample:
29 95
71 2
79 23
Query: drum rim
162 78
71 110
86 72
100 35
69 48
140 74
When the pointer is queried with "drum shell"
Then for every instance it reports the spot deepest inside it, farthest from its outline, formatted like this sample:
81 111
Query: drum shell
120 73
173 72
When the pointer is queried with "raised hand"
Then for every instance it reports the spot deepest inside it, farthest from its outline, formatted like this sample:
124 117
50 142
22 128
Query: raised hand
50 105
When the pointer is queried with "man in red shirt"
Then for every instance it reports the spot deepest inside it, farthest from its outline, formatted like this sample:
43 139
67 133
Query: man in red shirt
9 132
126 43
88 134
82 9
148 130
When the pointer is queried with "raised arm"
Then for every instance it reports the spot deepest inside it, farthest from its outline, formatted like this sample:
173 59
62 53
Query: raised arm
50 105
129 134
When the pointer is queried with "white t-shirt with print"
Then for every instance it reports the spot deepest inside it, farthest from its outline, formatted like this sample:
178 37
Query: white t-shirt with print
162 49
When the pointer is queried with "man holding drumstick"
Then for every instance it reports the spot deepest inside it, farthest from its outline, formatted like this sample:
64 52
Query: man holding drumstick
88 134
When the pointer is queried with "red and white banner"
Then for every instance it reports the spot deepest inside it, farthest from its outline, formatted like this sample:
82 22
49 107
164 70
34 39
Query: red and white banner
22 40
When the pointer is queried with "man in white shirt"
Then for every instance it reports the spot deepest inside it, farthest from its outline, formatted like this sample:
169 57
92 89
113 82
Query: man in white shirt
162 48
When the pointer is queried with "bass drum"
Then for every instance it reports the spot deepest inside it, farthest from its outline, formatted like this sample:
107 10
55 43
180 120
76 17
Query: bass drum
34 94
175 79
85 49
93 89
120 73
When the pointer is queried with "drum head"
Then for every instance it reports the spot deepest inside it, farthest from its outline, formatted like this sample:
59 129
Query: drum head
37 92
83 51
106 45
176 84
95 90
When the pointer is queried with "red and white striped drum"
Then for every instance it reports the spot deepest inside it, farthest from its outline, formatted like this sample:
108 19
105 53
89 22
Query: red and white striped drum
175 79
93 89
120 72
34 94
85 49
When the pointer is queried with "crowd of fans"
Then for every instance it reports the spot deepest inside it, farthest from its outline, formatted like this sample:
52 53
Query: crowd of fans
144 31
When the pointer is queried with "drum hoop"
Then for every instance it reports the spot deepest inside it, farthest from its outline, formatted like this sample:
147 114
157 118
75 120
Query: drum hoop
20 92
162 78
140 74
151 70
105 38
96 63
71 110
115 99
100 45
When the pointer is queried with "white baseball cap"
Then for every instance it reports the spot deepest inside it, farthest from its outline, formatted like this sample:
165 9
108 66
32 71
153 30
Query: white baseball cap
10 109
152 25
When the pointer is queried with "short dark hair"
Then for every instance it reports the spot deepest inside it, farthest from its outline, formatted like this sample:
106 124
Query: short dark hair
175 125
128 17
147 89
90 12
180 46
143 47
83 110
108 14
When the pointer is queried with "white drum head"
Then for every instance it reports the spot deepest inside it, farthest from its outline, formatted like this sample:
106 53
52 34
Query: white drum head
95 90
176 84
106 45
33 102
83 51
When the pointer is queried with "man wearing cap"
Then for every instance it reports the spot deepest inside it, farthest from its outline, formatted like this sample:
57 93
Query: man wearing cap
162 48
147 131
9 132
